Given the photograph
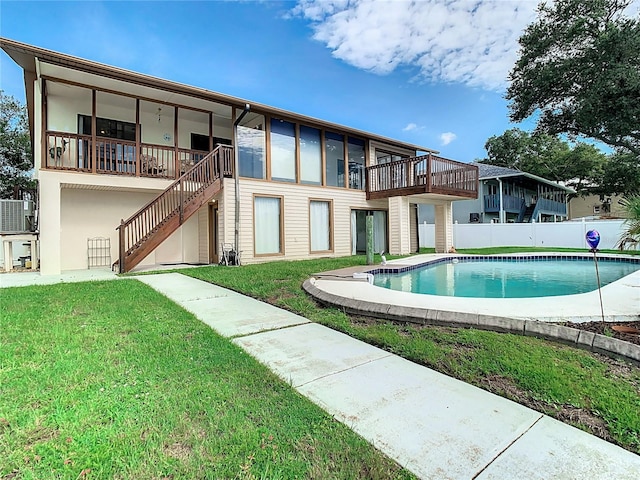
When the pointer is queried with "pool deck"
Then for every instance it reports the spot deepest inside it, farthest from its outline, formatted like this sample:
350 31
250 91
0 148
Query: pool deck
621 299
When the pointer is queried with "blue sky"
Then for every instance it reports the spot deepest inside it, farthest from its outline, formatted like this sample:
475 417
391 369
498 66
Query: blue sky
427 72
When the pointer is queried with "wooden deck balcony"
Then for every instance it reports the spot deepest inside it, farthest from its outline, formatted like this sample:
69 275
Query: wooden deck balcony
420 175
75 152
511 204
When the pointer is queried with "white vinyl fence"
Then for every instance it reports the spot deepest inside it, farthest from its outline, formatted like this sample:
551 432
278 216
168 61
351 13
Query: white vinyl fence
561 234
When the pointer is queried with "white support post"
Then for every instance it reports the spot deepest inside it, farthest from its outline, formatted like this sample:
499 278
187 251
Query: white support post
50 224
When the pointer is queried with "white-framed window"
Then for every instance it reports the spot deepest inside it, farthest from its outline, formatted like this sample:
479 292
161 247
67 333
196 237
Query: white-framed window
320 225
267 225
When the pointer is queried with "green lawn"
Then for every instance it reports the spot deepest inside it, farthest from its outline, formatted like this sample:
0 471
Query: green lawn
113 380
597 394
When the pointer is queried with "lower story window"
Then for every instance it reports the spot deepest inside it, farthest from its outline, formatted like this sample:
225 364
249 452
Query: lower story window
267 222
320 225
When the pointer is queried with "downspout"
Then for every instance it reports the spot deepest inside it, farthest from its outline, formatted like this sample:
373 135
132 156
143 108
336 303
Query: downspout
501 211
236 174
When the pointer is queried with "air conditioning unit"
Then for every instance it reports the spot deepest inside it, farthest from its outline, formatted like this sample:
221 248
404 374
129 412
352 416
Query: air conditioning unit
17 216
474 218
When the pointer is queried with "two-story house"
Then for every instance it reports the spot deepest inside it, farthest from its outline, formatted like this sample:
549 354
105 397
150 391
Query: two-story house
170 173
507 195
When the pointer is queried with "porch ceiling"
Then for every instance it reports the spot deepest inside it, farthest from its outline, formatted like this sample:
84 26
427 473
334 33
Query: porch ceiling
137 90
436 198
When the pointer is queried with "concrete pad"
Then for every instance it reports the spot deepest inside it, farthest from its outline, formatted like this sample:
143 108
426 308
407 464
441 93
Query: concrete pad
434 425
181 288
23 279
308 352
227 312
235 315
552 449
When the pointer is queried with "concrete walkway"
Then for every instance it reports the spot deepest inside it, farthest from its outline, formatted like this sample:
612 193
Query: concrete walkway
435 426
23 279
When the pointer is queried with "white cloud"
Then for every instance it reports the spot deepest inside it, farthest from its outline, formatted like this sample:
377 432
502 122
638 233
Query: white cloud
410 127
447 137
474 43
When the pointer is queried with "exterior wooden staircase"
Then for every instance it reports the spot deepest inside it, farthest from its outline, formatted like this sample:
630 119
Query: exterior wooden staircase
141 233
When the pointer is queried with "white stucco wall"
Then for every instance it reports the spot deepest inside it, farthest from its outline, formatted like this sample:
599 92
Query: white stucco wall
95 213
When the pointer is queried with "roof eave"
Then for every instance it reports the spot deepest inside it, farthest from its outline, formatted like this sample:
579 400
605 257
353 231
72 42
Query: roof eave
25 56
532 177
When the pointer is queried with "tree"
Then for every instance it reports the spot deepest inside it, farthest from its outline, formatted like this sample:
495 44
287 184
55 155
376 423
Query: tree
621 175
579 67
16 159
547 156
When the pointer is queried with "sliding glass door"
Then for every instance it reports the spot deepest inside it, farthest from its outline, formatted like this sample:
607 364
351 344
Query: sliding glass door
359 231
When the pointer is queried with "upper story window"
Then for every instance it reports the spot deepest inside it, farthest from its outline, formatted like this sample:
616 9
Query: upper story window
283 150
251 146
334 153
388 157
310 156
356 163
107 128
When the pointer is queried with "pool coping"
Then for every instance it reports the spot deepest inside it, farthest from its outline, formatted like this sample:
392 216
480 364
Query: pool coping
450 318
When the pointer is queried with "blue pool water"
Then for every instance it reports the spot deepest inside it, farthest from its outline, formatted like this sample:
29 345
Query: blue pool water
507 278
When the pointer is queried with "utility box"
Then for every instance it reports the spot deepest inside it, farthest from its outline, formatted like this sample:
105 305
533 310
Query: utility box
17 216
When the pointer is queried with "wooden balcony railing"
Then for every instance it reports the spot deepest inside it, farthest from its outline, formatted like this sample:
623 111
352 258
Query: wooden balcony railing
68 151
424 174
551 207
74 152
511 204
153 223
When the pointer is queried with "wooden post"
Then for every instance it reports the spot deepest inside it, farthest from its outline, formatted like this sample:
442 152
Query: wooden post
181 207
138 139
44 151
429 182
121 247
94 143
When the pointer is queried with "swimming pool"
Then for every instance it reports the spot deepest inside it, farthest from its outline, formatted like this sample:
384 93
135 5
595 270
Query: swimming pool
506 277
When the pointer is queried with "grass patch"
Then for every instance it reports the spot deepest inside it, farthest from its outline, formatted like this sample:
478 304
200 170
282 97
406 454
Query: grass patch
113 380
549 377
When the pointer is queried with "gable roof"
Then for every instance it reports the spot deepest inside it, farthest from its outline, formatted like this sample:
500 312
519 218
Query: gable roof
27 56
487 171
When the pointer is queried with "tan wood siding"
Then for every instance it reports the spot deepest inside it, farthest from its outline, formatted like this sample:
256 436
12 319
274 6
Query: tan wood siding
295 200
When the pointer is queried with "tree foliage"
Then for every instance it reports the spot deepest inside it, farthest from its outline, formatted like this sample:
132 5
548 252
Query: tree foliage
630 237
547 156
579 67
16 159
621 175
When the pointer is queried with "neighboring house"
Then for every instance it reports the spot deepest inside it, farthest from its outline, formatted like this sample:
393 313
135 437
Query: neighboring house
596 206
162 172
507 195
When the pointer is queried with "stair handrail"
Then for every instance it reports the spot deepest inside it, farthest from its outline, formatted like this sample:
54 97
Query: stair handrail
534 214
140 225
523 211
